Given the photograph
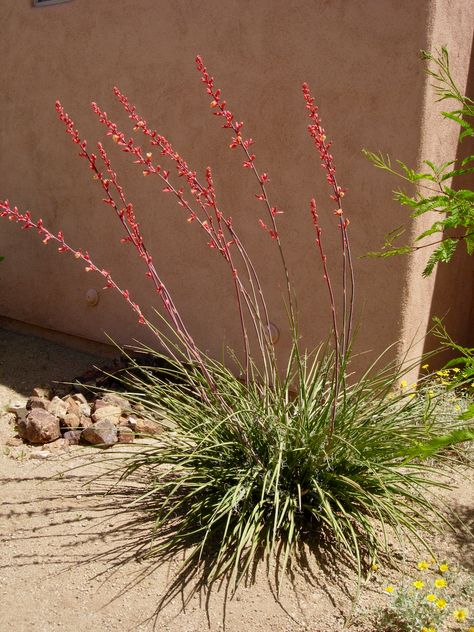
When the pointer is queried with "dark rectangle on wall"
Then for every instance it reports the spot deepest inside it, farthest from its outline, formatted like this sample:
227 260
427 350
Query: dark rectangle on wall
44 3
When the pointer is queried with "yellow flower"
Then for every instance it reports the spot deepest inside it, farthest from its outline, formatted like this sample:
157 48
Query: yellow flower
418 584
431 597
440 583
457 407
443 568
470 629
389 589
460 614
430 629
425 366
403 384
441 604
456 369
431 393
374 567
423 565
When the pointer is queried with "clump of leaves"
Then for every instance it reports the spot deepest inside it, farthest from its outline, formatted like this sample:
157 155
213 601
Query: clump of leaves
253 472
435 186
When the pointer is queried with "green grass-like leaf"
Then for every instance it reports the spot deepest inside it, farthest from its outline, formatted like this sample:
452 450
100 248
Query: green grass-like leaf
432 195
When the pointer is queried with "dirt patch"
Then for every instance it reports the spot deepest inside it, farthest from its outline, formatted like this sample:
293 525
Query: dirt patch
70 553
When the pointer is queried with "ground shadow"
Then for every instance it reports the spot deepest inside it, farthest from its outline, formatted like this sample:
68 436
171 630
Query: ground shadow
464 532
28 361
125 520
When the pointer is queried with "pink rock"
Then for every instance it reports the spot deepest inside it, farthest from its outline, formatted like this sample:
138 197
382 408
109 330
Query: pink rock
58 408
79 397
73 406
146 426
85 409
103 433
37 402
109 412
72 437
71 421
100 403
41 427
116 400
85 422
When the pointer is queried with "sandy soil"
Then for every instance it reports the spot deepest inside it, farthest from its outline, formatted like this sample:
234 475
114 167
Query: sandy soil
69 551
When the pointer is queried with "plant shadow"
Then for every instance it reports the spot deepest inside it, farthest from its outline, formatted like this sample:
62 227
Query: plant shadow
133 543
463 535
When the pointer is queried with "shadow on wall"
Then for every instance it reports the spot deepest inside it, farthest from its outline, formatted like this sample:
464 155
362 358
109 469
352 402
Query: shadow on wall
453 296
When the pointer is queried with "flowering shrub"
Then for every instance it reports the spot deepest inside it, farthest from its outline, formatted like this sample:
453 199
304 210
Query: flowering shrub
437 599
263 460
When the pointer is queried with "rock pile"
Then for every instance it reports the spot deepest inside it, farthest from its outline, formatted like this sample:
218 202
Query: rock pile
72 419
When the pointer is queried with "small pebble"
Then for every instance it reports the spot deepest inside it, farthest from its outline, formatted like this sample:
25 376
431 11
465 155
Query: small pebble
40 454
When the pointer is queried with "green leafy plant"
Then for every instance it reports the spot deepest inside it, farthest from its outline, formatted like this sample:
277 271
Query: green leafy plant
436 599
435 189
255 475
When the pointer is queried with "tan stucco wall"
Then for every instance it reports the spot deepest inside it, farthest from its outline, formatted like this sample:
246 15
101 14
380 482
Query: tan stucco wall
448 292
359 56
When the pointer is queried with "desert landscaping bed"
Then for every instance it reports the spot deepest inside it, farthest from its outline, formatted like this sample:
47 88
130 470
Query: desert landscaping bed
71 549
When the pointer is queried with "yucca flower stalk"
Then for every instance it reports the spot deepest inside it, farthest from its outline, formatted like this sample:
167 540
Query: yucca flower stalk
205 212
202 207
124 210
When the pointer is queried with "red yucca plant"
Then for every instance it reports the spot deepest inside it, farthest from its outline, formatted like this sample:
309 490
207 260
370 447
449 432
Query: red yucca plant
201 206
262 459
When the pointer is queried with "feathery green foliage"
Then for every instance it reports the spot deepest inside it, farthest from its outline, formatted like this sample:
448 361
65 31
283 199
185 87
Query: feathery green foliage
435 190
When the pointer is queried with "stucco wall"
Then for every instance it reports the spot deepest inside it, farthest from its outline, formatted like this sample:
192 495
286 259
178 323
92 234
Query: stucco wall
361 59
447 293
